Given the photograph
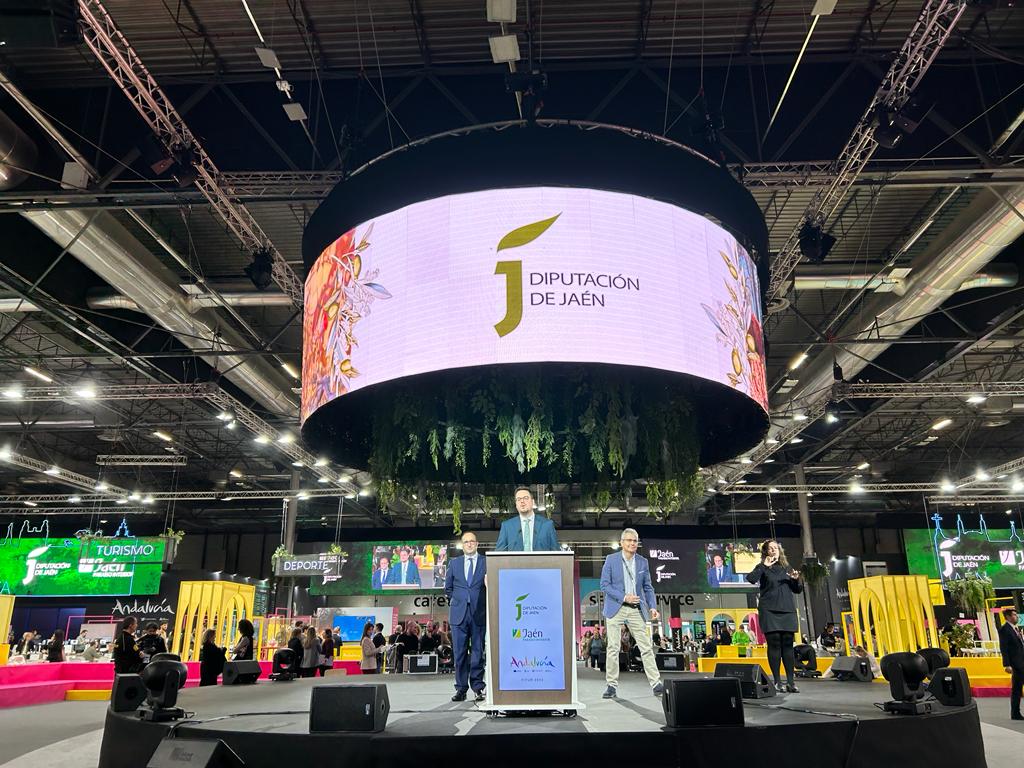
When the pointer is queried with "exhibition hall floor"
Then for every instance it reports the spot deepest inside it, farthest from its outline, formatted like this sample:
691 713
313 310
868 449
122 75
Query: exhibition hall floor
70 733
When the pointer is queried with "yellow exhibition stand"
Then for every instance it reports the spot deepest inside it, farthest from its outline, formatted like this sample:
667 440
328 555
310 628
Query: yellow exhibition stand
217 605
893 613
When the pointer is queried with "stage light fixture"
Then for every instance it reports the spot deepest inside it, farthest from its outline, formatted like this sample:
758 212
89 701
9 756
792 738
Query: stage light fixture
981 475
797 361
31 504
941 424
831 418
38 374
232 425
75 499
163 678
52 471
286 438
100 486
768 461
86 392
261 271
815 244
906 673
800 416
121 501
864 465
302 496
297 464
261 439
773 489
284 665
796 441
946 486
235 473
771 441
856 488
290 370
13 393
745 460
976 399
225 416
323 479
161 435
501 11
1017 486
320 462
504 49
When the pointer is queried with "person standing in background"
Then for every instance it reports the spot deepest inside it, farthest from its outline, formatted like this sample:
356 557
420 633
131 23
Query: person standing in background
127 657
243 650
211 659
326 653
310 653
368 658
776 609
55 648
1011 646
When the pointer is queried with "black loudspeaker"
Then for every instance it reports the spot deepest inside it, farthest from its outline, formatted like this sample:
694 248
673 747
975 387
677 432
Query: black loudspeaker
702 702
852 668
128 693
194 753
348 708
241 672
754 683
951 687
673 662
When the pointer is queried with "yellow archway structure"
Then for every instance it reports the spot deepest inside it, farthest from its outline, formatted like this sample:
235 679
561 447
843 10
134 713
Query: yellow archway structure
893 613
216 605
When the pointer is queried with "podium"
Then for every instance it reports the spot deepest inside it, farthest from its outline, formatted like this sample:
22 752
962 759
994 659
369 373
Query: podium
531 643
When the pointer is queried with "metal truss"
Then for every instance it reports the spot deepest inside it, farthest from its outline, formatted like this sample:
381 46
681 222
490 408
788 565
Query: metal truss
856 488
958 389
141 460
226 496
313 186
126 69
813 410
79 511
928 35
208 392
1007 468
983 499
56 392
62 475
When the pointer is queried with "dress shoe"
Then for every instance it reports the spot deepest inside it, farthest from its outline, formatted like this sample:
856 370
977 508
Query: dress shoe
780 688
609 693
1017 717
792 689
480 696
459 696
658 689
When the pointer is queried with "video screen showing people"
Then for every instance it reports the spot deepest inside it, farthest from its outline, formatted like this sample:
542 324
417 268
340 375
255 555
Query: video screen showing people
408 565
728 564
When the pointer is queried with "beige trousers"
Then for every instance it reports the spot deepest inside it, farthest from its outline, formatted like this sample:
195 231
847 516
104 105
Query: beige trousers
631 618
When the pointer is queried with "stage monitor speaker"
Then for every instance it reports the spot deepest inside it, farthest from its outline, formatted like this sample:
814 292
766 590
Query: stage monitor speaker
128 693
754 683
672 662
703 702
852 668
951 687
241 672
349 708
194 753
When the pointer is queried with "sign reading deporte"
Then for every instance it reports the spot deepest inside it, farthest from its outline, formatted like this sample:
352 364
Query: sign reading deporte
322 564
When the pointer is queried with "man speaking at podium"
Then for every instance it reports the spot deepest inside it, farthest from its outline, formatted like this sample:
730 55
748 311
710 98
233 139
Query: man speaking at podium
628 600
526 532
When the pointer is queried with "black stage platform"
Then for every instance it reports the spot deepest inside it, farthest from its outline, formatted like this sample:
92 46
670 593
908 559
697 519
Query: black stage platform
827 724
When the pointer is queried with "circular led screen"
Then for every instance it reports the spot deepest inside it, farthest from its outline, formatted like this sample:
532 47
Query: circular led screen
528 275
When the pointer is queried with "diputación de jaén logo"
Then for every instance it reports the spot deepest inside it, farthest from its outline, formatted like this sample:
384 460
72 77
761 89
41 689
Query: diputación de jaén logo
513 272
519 605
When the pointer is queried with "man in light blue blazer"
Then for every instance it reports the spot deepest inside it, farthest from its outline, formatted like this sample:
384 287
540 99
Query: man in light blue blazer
526 532
628 601
465 586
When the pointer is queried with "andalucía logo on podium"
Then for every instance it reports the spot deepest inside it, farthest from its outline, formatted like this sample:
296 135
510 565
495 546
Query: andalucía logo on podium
530 653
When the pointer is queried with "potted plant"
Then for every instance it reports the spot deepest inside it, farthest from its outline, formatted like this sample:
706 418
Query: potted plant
814 573
281 551
970 593
959 636
172 539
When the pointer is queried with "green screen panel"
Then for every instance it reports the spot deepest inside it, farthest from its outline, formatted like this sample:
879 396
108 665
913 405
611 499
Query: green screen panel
58 567
953 552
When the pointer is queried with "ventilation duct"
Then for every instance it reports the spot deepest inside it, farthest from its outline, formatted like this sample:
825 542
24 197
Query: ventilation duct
18 154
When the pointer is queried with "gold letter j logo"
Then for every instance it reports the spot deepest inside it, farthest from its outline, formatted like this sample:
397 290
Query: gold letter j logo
513 272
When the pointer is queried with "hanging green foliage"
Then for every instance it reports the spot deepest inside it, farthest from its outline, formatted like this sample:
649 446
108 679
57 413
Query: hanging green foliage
971 592
456 514
592 426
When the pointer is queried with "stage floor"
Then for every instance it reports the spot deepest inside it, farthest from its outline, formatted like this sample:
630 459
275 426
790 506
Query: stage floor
824 722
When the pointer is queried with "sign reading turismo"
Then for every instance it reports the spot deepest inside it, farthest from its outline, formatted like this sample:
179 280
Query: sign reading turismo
530 650
72 567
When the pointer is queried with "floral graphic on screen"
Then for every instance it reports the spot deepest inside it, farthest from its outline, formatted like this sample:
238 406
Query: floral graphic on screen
738 324
340 291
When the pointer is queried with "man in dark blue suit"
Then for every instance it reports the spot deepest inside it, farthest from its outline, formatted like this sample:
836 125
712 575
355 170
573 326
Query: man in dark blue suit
405 571
526 532
1011 646
467 594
